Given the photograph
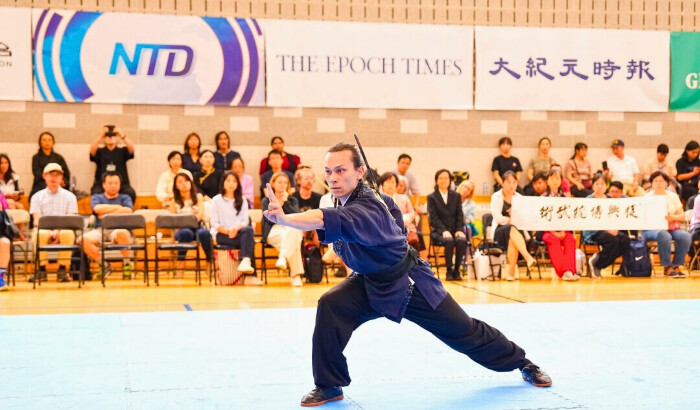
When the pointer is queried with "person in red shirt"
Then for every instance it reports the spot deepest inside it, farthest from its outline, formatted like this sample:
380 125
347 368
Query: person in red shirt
290 162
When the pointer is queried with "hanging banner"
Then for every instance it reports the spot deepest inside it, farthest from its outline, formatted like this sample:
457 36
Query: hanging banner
685 72
147 59
15 53
561 69
368 65
588 214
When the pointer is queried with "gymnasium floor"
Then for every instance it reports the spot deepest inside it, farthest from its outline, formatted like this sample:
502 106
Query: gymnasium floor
611 343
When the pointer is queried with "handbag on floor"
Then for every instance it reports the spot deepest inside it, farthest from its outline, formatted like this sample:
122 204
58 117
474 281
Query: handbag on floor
227 262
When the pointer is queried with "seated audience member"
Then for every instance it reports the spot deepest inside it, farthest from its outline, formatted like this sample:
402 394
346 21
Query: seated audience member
613 242
191 153
164 188
186 200
5 244
207 179
695 220
624 168
224 155
54 201
561 245
305 179
274 159
9 186
657 163
387 183
402 165
507 236
688 168
447 222
110 157
565 184
616 190
290 162
675 232
538 186
238 166
579 172
230 224
504 163
45 156
542 162
109 202
402 186
283 238
466 193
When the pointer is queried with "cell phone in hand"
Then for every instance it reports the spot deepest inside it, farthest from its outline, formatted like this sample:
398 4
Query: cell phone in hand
605 165
110 131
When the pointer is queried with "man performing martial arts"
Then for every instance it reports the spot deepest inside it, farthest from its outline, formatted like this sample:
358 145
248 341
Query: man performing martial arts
389 279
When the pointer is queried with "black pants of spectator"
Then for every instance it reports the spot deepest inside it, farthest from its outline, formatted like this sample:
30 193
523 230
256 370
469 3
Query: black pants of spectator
243 241
580 193
453 246
125 189
345 307
613 246
688 190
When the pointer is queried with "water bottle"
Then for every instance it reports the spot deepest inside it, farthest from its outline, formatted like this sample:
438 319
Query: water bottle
73 183
485 189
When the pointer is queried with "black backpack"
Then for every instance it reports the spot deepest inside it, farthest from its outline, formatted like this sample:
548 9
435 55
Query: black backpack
313 265
637 262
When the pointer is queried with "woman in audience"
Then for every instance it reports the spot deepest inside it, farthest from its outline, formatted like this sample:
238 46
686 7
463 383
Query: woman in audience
688 167
388 182
402 184
224 155
230 224
505 235
561 245
542 162
447 222
5 244
286 240
675 233
207 179
504 163
45 156
466 193
164 188
186 200
238 166
290 162
613 242
579 172
190 156
9 183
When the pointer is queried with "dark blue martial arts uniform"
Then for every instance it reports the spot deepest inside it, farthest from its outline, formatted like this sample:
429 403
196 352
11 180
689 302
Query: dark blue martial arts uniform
389 279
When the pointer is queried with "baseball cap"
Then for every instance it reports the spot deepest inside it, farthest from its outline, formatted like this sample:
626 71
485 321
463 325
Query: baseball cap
52 167
617 143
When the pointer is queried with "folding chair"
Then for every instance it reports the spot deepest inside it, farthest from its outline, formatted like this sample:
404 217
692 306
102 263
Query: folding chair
129 222
19 216
64 222
173 222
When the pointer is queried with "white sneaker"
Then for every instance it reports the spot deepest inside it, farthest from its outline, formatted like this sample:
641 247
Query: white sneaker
568 276
296 282
245 266
252 280
281 263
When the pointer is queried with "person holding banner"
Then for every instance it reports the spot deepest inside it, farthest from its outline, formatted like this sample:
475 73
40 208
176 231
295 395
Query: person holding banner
675 216
561 245
507 236
613 242
389 280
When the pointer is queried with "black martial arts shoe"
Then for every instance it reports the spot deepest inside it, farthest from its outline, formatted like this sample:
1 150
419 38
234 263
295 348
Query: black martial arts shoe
453 275
533 375
321 395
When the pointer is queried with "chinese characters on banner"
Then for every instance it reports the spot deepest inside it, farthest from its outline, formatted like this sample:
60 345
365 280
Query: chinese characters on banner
571 69
588 214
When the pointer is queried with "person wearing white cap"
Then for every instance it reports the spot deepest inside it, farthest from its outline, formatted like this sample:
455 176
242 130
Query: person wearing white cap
54 201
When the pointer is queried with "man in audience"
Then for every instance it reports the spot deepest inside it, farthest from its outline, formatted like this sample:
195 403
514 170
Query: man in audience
274 159
109 202
305 179
290 162
54 201
538 185
402 165
616 190
657 163
624 168
112 158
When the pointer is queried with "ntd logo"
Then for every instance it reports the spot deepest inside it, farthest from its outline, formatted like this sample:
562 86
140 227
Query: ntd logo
132 64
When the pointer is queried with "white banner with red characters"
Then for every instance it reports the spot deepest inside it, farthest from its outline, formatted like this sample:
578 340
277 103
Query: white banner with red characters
562 69
539 213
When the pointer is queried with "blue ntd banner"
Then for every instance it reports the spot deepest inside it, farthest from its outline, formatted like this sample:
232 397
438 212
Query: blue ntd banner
147 59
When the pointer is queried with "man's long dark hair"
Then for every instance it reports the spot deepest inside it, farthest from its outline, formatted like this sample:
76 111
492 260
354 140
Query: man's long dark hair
237 193
177 197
